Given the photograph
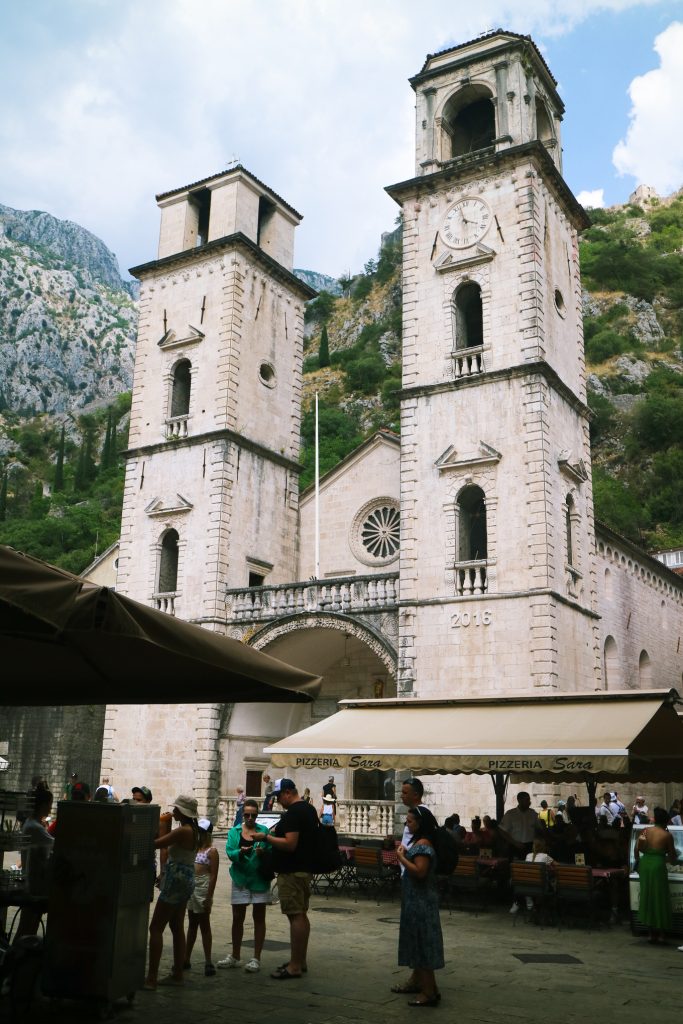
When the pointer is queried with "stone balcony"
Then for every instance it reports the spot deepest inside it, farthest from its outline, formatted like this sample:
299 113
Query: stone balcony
346 595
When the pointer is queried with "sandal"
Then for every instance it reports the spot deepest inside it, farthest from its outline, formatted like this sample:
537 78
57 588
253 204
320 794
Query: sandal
282 974
431 1001
406 990
283 967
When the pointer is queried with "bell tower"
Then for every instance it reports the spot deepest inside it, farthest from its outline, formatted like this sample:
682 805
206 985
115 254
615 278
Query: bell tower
497 574
211 489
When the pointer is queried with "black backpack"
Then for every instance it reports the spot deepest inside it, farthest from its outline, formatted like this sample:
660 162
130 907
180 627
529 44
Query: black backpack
327 856
446 848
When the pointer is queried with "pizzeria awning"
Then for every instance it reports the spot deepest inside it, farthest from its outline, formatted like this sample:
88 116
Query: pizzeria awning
614 736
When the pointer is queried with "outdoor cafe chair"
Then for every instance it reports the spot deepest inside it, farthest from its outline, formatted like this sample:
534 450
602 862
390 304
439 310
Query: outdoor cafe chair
574 886
466 881
370 872
530 880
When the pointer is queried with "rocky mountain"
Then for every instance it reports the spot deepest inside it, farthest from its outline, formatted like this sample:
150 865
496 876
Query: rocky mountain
321 282
67 323
73 245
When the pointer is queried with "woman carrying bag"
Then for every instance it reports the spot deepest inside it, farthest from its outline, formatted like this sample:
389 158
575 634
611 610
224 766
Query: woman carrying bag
249 885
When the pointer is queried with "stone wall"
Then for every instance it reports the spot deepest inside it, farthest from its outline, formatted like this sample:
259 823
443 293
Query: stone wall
51 741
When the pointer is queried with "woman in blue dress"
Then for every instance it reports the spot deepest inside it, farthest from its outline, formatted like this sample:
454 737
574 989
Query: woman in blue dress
420 942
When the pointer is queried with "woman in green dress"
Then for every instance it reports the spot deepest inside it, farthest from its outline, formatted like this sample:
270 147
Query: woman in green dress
654 848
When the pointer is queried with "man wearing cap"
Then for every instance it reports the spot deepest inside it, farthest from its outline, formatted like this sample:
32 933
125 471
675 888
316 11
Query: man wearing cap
141 795
293 840
330 789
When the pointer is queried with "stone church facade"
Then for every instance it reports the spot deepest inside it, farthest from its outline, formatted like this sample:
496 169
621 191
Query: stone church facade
460 559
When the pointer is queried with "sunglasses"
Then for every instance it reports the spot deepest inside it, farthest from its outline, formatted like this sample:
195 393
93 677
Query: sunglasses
248 814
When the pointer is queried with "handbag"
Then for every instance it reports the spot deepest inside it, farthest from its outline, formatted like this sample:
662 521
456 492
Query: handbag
266 864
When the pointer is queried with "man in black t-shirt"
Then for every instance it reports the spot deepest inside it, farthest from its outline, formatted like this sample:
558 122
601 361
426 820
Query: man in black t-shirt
294 841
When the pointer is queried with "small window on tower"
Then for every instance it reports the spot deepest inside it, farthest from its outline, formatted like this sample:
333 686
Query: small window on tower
266 209
202 201
256 580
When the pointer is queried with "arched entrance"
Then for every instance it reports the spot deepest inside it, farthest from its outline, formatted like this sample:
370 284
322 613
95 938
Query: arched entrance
354 661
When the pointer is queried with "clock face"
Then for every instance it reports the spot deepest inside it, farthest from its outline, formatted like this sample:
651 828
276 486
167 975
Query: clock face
465 223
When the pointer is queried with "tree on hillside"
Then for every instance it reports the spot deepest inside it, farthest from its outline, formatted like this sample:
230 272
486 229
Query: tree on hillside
3 497
59 467
324 349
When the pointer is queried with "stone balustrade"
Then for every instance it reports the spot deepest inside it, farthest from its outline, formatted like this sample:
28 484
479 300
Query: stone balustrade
356 818
164 603
348 594
468 361
470 578
176 426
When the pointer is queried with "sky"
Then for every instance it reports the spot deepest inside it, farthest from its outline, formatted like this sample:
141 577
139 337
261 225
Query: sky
107 102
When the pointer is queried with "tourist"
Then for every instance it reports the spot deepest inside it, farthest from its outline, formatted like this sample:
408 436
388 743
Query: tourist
110 789
330 788
452 823
201 901
654 848
606 809
239 808
245 845
71 782
539 855
420 942
294 842
35 857
546 814
141 795
412 792
518 826
80 792
267 794
176 888
102 795
328 811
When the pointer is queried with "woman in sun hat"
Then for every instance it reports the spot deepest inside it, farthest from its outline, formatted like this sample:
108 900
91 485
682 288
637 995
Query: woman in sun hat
176 888
328 811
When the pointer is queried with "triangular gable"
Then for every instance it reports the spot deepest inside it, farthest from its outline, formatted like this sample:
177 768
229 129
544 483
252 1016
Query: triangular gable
452 459
386 437
171 340
449 260
160 507
575 469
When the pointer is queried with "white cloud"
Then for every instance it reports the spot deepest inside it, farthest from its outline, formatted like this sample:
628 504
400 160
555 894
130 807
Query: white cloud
129 99
653 148
594 200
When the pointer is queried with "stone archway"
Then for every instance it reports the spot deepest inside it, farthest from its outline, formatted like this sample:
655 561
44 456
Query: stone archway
354 661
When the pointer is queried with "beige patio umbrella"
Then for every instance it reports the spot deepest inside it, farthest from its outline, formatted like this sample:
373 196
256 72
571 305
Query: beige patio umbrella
65 640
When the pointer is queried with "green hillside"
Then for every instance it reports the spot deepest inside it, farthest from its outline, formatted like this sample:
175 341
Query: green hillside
632 268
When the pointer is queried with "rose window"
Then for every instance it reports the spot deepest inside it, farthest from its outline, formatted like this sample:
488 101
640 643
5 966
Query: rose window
376 532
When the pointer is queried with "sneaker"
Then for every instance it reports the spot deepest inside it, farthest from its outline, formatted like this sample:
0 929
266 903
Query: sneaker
230 961
252 965
514 909
209 970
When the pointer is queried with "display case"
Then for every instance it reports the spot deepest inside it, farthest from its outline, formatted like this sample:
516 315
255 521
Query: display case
102 885
675 872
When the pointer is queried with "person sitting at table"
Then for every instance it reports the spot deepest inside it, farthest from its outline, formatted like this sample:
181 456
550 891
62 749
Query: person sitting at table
452 823
491 837
473 837
539 855
35 858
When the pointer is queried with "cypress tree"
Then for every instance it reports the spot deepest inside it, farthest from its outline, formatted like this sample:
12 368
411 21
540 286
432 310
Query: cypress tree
3 497
105 460
79 475
324 348
59 467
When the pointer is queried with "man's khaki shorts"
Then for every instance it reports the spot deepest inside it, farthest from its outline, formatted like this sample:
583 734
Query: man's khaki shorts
294 891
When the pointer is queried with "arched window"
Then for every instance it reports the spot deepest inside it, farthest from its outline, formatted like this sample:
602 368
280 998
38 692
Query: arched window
469 119
168 563
544 128
472 542
569 530
180 389
467 316
644 670
611 663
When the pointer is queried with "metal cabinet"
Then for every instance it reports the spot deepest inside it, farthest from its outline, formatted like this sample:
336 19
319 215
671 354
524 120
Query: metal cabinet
101 888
